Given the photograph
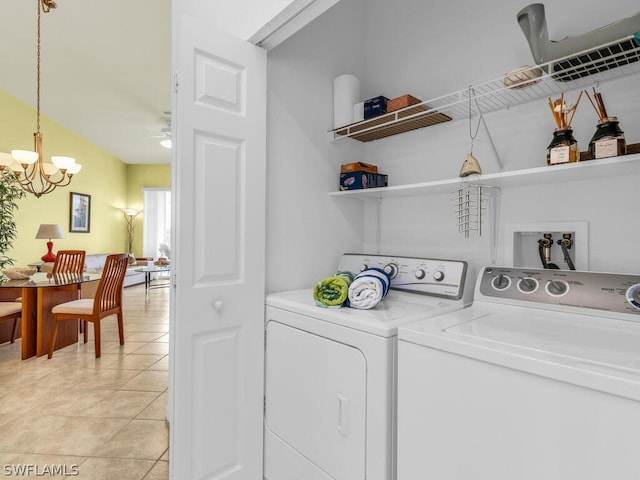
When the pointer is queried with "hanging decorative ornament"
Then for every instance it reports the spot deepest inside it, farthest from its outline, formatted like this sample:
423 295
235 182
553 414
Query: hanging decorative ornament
471 165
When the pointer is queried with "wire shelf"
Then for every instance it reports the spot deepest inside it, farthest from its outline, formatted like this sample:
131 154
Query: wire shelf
597 65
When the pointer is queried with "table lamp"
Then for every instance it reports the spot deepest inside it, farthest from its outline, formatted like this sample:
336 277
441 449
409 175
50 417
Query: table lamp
49 231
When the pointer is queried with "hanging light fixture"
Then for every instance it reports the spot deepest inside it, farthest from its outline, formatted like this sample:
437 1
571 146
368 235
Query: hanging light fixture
31 171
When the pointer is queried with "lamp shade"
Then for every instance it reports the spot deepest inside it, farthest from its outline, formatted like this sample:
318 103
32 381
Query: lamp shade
6 159
131 212
49 231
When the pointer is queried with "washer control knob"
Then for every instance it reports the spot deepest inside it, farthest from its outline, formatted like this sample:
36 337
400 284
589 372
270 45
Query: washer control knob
633 295
528 285
364 267
420 274
557 288
501 282
438 275
391 269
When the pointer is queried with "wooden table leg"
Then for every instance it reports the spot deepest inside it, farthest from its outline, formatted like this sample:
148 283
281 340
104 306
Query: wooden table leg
49 297
29 322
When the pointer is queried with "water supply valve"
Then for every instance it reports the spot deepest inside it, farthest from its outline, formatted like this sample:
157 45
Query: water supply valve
544 249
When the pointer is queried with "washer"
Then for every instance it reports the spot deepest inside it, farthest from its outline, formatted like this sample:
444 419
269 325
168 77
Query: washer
330 381
538 379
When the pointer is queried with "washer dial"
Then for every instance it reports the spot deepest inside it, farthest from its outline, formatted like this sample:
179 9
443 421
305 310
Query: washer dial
557 288
527 285
501 282
633 295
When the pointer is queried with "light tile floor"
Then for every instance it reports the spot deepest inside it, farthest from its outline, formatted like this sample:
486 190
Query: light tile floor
91 418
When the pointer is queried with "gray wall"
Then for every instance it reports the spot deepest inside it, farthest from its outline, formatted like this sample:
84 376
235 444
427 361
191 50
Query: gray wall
429 49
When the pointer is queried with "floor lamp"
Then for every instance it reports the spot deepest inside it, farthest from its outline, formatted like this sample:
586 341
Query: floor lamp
130 215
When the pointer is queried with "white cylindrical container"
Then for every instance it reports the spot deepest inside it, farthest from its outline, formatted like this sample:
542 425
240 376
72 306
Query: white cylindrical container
358 112
346 93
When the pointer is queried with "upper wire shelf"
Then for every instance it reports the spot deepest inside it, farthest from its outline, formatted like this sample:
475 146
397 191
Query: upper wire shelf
607 62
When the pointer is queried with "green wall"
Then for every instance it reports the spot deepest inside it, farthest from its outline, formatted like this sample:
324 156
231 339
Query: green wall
111 183
140 177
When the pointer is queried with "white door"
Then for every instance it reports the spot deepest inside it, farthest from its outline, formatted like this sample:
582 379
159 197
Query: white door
217 318
316 403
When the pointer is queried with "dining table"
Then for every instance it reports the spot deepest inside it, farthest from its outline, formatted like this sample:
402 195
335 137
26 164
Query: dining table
39 293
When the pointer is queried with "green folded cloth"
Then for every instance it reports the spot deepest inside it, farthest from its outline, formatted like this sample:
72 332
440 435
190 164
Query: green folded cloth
333 291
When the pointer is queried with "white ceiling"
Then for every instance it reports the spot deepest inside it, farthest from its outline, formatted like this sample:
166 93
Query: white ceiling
106 65
106 70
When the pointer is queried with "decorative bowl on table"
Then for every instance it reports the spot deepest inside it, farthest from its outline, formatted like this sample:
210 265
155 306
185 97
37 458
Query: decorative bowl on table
18 273
162 262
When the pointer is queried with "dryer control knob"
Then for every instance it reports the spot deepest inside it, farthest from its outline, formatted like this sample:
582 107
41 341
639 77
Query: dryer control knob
633 295
438 275
420 274
391 269
501 282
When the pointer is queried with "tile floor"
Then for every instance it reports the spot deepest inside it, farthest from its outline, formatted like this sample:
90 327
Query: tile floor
91 418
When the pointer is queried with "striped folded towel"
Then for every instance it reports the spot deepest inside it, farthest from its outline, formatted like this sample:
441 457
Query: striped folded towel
368 288
332 292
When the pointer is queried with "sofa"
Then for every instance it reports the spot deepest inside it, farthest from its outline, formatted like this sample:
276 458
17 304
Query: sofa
94 263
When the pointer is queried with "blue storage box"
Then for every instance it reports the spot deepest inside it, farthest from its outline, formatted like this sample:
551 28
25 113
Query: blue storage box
375 106
361 179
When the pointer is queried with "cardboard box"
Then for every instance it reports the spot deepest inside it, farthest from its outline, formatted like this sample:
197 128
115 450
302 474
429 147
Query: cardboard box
402 102
358 166
359 180
375 107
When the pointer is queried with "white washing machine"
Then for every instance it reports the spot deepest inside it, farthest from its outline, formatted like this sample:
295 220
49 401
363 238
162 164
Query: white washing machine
330 381
538 379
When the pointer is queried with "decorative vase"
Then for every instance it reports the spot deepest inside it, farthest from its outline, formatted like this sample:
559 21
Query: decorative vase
608 141
563 148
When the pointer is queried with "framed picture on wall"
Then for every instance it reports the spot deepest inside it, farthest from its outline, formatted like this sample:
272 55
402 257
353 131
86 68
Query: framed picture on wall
80 213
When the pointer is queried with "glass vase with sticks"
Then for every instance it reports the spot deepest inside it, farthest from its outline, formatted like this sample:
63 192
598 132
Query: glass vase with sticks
563 147
608 141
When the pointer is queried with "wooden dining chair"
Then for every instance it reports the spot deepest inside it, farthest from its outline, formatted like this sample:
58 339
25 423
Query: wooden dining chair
107 302
69 261
11 311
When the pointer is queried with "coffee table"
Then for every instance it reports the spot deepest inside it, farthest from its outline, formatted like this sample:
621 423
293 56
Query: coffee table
150 269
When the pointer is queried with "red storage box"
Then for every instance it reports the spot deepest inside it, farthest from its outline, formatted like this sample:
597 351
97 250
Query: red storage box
401 102
358 166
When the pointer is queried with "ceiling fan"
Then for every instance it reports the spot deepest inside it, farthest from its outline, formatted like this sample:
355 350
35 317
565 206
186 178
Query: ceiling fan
166 132
164 135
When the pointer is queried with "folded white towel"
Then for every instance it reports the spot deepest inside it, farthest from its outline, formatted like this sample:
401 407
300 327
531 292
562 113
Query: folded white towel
368 288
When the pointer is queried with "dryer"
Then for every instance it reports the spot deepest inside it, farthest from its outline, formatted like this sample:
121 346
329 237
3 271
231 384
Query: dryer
330 380
538 379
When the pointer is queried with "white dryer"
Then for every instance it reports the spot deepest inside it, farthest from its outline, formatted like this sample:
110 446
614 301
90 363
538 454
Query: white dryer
538 379
330 382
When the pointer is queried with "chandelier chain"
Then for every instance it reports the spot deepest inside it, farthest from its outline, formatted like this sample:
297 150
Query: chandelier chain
38 57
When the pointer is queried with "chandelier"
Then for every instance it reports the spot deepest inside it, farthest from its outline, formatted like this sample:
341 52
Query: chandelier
31 172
